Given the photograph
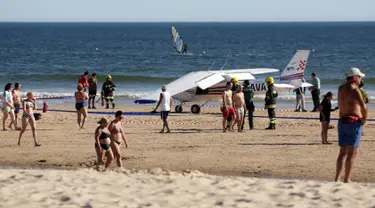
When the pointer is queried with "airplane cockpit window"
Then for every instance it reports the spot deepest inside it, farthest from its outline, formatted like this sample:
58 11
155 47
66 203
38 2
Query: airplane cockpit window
200 91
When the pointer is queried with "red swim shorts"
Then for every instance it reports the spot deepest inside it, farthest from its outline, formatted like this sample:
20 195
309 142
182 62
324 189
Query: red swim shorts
228 113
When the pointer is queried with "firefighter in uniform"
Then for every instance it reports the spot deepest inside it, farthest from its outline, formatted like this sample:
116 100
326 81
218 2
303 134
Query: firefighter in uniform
270 102
107 91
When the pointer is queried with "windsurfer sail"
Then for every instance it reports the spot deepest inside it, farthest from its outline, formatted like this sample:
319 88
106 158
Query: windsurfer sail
178 42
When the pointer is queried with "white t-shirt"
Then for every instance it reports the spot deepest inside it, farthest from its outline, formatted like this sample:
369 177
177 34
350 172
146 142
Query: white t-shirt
8 97
165 104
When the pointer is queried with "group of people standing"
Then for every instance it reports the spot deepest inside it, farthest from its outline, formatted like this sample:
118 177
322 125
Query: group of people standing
91 85
11 104
83 99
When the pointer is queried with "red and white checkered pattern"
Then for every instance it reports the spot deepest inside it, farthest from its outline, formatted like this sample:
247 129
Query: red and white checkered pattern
302 65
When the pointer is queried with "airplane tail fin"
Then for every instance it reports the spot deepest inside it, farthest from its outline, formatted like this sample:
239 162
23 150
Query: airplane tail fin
294 71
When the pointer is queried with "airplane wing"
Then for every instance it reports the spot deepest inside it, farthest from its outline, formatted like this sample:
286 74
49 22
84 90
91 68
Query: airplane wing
252 71
305 84
287 86
202 79
209 81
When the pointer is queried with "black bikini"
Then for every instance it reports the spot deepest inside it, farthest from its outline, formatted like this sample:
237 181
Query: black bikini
103 136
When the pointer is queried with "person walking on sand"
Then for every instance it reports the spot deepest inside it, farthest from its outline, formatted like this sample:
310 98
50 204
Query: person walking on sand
107 92
93 86
8 106
325 110
81 105
29 104
270 102
117 134
250 107
103 143
165 103
315 91
353 115
227 108
17 103
84 81
240 107
300 100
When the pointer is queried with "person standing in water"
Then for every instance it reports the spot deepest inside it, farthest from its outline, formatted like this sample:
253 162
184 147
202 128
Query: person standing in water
81 105
28 117
165 103
93 85
17 103
117 134
353 115
325 110
107 92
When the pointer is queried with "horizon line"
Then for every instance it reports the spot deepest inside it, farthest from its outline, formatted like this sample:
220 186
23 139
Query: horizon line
307 21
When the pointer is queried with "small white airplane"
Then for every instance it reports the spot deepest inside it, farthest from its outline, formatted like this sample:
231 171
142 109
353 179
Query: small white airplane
207 86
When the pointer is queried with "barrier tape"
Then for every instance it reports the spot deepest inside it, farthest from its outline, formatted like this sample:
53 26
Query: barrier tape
51 97
256 109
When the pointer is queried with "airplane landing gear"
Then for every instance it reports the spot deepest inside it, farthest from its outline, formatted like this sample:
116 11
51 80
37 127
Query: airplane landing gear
196 109
178 108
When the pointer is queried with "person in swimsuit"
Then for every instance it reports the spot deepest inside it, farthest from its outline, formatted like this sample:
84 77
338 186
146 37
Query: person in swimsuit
353 115
81 103
117 134
227 108
8 107
29 104
239 104
17 103
93 85
325 110
103 143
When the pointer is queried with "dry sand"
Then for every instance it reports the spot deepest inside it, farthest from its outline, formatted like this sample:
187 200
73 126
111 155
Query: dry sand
158 188
293 150
196 143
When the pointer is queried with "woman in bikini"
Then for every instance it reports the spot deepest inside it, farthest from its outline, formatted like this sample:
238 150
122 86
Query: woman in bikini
28 117
117 134
103 143
81 105
325 110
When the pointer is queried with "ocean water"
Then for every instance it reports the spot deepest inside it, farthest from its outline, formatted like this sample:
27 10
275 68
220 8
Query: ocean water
48 58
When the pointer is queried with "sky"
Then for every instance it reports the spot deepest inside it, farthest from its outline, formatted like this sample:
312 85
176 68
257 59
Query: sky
185 11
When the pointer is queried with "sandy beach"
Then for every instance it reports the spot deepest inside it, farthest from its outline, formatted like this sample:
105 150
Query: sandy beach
196 146
159 188
293 150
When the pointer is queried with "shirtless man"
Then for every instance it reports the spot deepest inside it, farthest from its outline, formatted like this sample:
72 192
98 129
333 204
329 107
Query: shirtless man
353 115
239 105
227 108
17 103
117 134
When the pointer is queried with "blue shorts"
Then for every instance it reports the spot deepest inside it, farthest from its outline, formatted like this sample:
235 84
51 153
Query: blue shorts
349 133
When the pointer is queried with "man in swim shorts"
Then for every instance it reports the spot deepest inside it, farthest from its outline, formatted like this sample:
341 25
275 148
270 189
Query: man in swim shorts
227 107
353 115
17 103
240 107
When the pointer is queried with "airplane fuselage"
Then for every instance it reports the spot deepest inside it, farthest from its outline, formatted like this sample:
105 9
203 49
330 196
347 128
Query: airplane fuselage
214 93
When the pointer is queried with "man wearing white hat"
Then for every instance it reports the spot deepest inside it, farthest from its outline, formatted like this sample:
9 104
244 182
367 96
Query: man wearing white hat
353 115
